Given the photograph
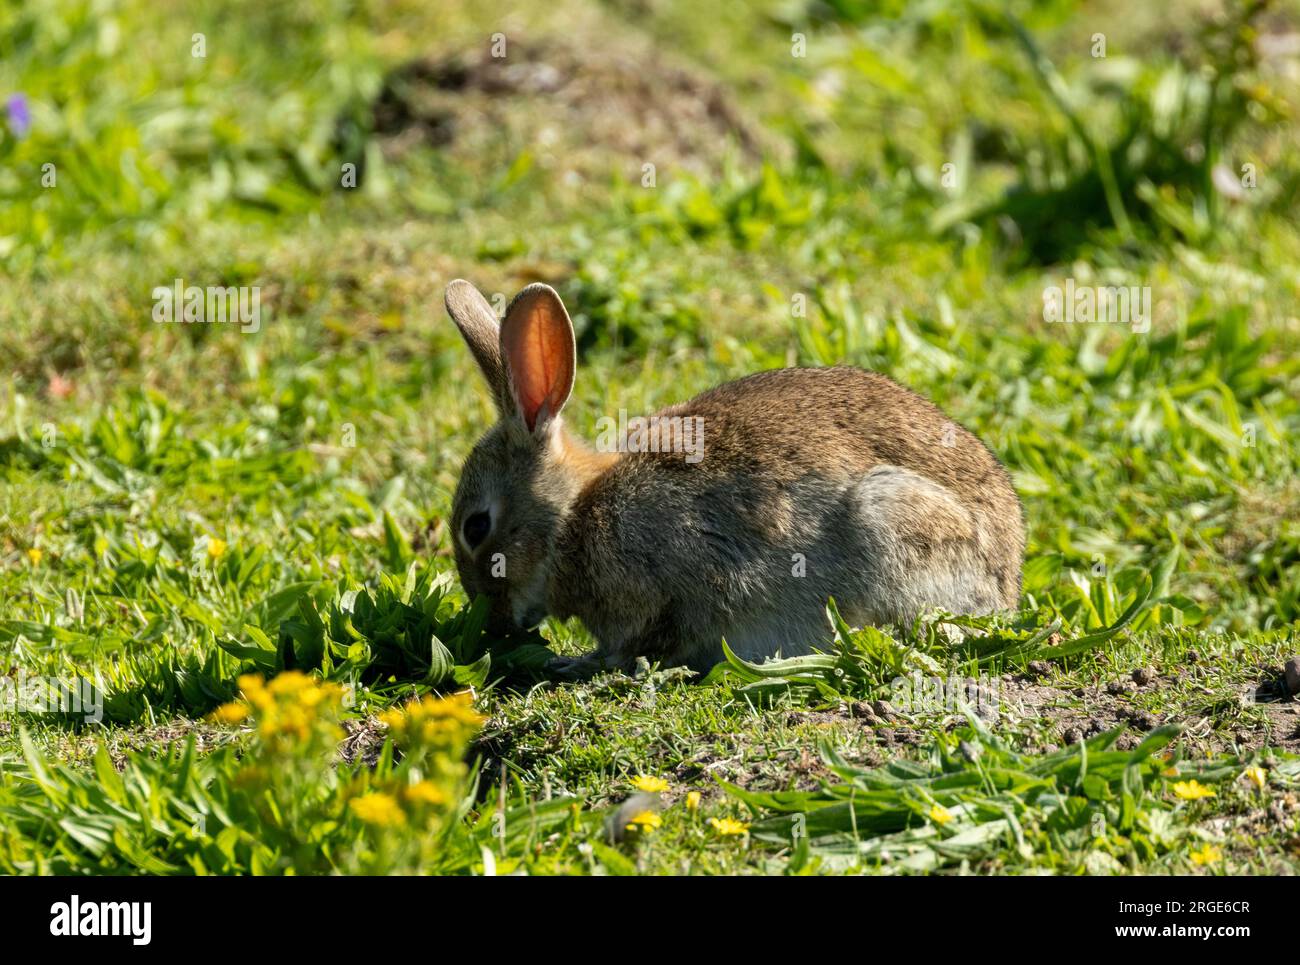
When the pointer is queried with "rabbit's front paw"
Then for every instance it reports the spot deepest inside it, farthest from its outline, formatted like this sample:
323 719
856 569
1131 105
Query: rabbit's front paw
582 667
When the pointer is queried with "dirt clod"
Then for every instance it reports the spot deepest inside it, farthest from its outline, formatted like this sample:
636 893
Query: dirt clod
1291 673
1143 676
1139 718
861 710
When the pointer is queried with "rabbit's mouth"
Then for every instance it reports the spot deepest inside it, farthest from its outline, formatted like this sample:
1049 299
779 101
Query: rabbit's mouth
528 617
528 601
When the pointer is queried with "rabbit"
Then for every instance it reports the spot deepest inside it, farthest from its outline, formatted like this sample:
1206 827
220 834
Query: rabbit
810 484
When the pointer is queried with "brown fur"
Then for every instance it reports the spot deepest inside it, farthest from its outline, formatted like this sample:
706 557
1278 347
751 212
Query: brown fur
886 501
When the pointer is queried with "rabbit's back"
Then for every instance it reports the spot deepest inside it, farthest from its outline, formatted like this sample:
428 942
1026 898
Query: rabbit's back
840 422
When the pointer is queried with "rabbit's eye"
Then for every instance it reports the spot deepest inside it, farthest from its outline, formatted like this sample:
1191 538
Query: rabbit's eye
476 528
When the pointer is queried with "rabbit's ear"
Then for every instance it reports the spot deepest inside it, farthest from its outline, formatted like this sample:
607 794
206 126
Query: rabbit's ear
478 326
540 355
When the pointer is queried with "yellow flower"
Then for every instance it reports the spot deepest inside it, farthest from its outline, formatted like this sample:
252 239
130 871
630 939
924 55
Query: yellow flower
693 800
320 693
1257 776
35 555
288 722
253 687
650 785
235 712
379 809
291 682
216 548
1206 854
645 822
426 792
940 814
293 706
1193 790
458 707
434 720
728 827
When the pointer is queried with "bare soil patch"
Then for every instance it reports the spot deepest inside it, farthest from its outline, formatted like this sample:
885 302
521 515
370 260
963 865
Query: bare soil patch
584 109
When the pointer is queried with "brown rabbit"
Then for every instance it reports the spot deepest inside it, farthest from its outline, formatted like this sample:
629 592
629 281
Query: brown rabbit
810 483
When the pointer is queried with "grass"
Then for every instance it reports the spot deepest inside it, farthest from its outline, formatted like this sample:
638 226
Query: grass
186 505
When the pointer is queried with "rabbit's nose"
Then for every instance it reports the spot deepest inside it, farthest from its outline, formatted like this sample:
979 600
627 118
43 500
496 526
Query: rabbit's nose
499 623
529 618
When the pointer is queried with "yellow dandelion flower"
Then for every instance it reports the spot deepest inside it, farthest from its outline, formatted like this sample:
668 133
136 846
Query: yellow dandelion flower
1193 790
1257 776
648 784
292 725
430 731
692 800
253 687
1206 854
426 792
940 814
458 707
289 683
379 809
235 712
35 555
216 548
728 827
645 822
320 693
434 720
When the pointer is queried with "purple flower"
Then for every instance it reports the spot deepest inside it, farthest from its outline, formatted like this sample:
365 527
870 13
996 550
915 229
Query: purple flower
20 114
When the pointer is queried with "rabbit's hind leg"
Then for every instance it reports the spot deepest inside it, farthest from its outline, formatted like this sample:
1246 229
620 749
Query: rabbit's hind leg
919 549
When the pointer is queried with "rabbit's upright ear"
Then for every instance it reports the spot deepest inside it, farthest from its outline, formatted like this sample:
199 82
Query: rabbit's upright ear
540 355
478 326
